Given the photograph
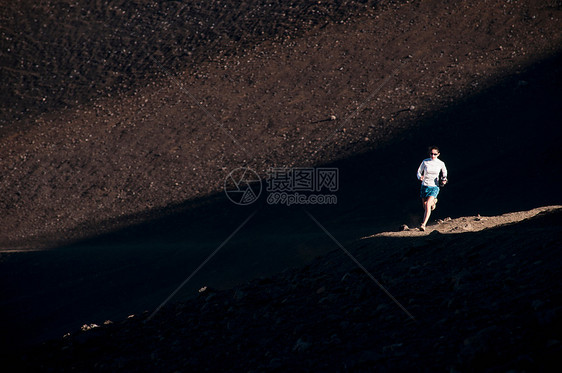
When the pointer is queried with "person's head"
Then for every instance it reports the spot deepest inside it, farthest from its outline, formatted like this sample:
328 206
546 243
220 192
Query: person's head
433 152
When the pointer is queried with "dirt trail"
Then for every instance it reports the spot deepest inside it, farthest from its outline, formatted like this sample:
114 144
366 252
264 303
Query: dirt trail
467 223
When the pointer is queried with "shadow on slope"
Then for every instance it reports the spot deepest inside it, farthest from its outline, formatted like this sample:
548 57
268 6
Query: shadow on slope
481 301
501 147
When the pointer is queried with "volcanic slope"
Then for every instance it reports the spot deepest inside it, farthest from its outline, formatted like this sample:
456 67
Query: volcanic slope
397 74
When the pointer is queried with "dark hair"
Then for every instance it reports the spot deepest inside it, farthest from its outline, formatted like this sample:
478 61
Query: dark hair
433 147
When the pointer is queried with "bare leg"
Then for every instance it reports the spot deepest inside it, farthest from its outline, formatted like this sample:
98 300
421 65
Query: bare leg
427 210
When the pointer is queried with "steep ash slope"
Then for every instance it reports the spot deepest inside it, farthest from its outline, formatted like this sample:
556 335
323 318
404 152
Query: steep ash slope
73 173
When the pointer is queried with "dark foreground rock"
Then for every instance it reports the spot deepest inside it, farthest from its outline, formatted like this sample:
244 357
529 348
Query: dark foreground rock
480 301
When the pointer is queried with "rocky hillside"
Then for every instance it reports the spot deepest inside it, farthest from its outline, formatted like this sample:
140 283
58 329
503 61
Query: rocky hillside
135 124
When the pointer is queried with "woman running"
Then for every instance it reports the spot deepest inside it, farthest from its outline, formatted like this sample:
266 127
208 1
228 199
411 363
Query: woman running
428 173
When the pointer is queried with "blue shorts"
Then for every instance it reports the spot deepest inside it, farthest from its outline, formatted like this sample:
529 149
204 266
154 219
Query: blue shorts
429 191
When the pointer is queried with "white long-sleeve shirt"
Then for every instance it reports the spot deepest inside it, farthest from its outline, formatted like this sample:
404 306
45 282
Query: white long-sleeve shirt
430 169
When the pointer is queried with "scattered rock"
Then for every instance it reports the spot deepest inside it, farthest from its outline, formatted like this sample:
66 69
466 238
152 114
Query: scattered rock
275 363
239 295
301 345
86 327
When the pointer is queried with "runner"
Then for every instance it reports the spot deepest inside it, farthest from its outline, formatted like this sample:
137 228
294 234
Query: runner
428 173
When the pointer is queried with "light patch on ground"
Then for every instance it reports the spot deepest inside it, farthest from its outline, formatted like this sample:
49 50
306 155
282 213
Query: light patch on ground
468 223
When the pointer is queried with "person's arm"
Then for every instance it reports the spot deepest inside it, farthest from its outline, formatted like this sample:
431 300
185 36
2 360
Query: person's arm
444 170
444 173
420 171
